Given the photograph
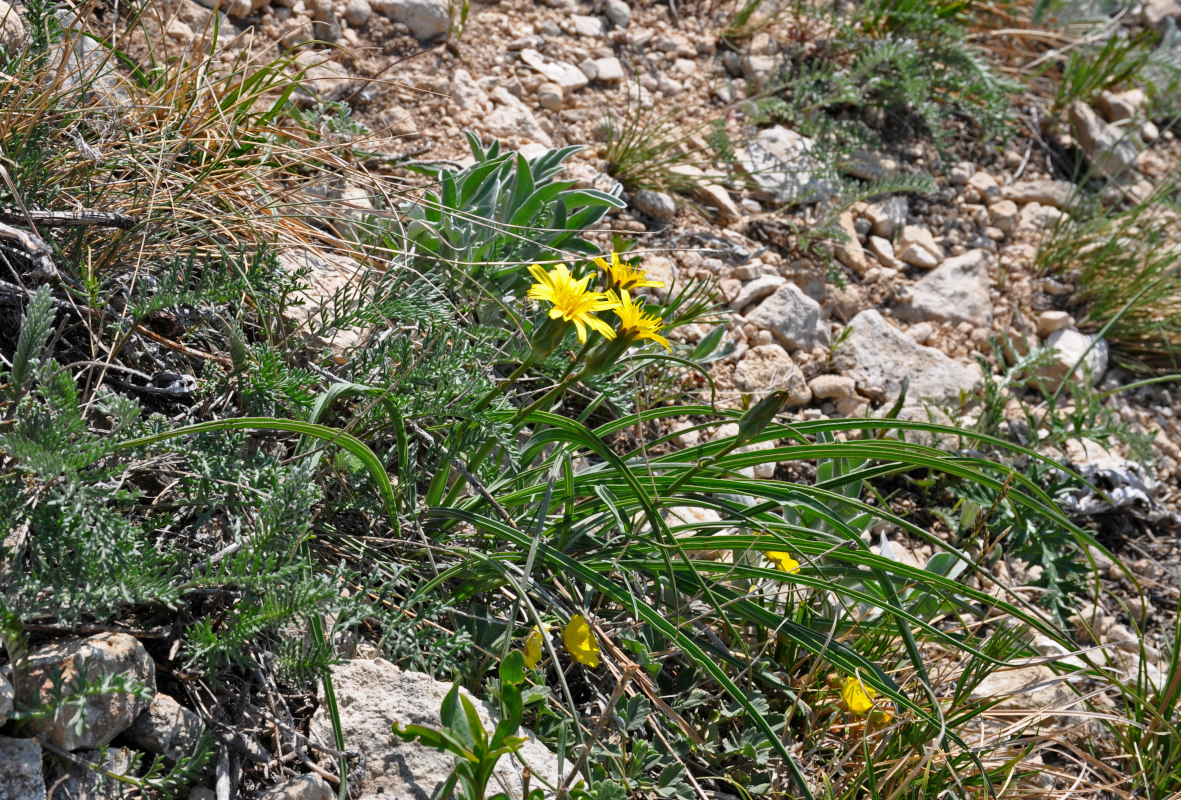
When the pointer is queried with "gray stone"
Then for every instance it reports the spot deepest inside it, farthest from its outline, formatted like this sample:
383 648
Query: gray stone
883 251
1068 347
589 68
373 695
12 29
325 26
792 317
1110 151
327 273
1058 194
1116 107
1050 321
1035 688
89 67
516 120
961 173
358 12
568 76
955 291
305 787
466 91
618 12
608 70
235 9
550 96
719 198
426 19
1036 217
870 166
660 206
756 290
1003 214
165 728
323 77
917 247
105 715
587 26
20 770
887 216
878 356
832 387
768 368
985 187
1157 13
781 163
850 253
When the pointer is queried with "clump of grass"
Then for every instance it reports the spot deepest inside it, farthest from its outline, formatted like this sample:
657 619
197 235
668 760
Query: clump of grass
650 149
1125 266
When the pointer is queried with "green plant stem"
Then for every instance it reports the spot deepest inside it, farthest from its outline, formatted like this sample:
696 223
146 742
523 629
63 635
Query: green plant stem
548 397
501 386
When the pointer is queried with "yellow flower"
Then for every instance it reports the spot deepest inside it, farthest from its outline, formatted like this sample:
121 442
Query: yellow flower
571 300
580 641
532 648
634 324
782 561
621 276
858 697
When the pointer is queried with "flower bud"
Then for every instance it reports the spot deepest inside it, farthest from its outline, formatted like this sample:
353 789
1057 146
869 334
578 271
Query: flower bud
760 415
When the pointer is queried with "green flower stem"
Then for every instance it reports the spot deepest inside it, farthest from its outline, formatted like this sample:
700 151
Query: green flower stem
549 396
502 385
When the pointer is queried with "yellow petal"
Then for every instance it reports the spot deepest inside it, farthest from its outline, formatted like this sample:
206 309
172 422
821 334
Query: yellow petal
580 641
532 649
782 561
858 697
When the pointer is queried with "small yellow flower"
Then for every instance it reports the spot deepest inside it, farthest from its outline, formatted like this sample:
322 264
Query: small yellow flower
571 300
782 561
622 276
634 324
580 641
532 648
858 697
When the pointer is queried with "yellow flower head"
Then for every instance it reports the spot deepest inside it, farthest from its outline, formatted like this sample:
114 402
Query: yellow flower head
858 697
782 561
532 648
580 641
621 276
570 299
634 324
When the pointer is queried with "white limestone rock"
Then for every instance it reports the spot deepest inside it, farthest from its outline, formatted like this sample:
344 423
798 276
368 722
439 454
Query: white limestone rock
955 291
877 356
373 695
792 317
784 169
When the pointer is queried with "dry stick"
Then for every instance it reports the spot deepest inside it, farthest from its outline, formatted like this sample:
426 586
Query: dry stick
67 219
637 675
463 470
35 247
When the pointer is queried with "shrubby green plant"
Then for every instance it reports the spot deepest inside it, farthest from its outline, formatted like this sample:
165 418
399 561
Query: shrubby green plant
487 220
906 61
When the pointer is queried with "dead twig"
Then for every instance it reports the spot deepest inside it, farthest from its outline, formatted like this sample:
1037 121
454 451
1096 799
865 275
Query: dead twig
67 219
